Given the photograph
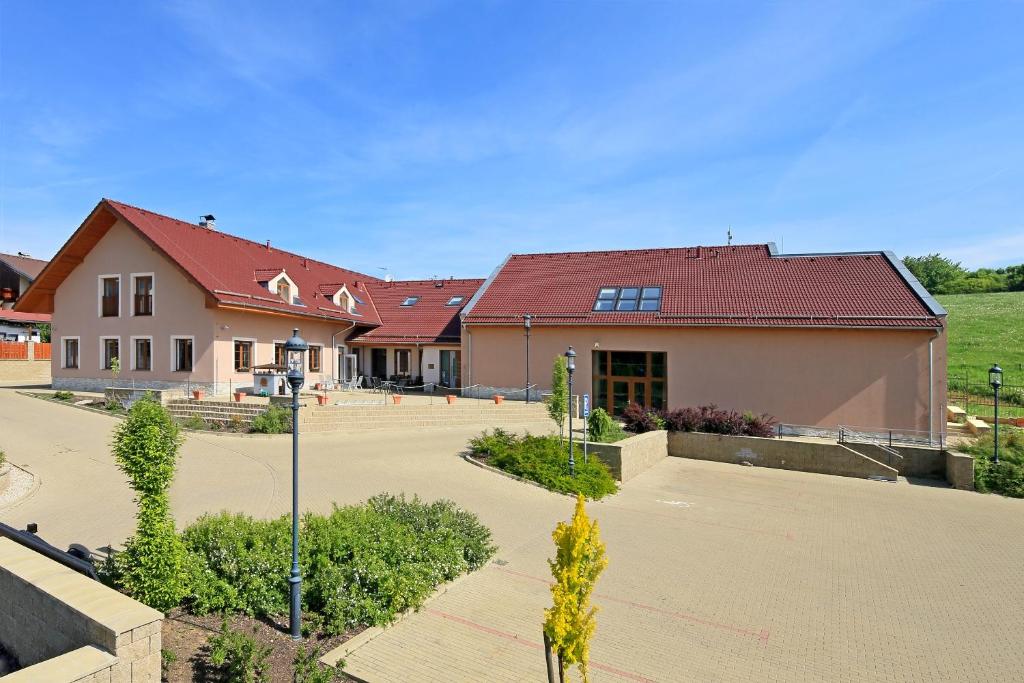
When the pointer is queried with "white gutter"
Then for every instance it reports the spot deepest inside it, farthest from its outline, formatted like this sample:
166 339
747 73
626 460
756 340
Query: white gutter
931 390
468 381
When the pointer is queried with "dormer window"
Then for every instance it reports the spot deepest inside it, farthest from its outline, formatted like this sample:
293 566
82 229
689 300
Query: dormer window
410 301
345 299
284 290
455 301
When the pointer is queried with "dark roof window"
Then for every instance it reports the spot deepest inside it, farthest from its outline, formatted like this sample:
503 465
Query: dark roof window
627 299
410 300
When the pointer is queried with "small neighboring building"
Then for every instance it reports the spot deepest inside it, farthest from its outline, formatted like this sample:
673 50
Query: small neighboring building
21 327
419 336
17 272
812 339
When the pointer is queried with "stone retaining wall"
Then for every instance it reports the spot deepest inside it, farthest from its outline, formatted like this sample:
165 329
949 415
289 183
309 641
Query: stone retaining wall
63 627
630 457
960 470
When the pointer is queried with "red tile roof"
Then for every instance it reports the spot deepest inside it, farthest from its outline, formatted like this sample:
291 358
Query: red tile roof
29 267
711 286
19 317
230 268
429 320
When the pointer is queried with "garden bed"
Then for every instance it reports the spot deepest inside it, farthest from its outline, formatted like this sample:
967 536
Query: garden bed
187 651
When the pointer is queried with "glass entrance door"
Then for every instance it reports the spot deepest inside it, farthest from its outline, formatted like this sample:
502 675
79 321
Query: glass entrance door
451 373
379 363
624 377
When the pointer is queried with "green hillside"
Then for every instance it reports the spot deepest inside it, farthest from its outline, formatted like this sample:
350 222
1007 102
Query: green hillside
985 329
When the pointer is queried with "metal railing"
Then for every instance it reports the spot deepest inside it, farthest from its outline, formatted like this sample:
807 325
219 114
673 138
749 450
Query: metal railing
881 436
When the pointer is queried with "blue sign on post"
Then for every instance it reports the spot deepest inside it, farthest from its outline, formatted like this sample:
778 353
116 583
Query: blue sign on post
586 405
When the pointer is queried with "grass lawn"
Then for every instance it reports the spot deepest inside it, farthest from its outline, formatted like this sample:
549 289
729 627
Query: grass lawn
985 329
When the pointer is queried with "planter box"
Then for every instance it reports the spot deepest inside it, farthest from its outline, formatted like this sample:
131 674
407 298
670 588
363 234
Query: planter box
630 457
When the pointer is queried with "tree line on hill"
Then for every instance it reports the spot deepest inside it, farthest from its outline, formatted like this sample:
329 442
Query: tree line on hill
941 275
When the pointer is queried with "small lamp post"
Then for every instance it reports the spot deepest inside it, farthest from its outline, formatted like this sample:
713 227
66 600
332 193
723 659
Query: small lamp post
295 358
527 319
995 380
570 365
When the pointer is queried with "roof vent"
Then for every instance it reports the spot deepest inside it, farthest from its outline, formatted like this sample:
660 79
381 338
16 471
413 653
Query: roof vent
389 278
439 283
208 222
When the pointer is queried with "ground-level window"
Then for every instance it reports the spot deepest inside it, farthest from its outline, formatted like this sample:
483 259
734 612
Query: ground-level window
624 377
182 349
111 350
315 358
144 354
278 353
402 362
71 353
243 356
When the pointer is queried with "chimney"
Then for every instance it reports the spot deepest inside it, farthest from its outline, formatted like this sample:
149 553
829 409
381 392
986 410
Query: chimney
208 222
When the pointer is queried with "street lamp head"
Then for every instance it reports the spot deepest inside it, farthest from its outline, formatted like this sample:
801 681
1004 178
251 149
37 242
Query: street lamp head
570 360
295 356
995 376
526 320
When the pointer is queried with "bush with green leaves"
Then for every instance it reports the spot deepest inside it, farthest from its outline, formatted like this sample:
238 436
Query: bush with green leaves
603 429
63 395
308 668
275 420
545 460
360 564
194 422
238 657
1007 477
151 568
558 402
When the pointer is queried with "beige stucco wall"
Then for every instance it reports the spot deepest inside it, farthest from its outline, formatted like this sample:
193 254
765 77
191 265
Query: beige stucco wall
821 377
632 456
37 371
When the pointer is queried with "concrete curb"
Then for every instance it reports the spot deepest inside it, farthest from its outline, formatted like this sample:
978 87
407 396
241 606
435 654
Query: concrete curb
36 483
490 468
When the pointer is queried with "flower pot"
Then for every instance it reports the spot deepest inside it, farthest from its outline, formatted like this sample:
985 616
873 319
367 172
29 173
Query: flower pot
238 396
498 399
396 398
451 398
321 399
319 386
198 394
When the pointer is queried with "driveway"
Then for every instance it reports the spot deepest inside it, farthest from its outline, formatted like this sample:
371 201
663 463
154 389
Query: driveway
717 572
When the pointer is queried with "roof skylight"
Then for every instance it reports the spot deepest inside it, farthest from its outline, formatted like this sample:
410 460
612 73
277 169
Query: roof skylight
455 301
410 300
628 299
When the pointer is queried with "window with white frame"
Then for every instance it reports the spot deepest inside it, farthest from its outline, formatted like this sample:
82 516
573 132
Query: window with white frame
402 357
110 296
110 350
142 353
69 349
181 354
142 294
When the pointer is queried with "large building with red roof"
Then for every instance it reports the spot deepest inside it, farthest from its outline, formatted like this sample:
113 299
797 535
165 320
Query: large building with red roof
812 339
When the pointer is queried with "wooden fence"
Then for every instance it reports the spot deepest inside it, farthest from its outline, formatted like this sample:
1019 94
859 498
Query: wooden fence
20 350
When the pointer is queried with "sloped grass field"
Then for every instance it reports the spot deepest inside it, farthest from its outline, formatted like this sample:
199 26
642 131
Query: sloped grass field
986 329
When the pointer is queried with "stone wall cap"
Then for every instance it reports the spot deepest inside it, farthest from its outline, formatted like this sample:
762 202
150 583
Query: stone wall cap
70 666
90 598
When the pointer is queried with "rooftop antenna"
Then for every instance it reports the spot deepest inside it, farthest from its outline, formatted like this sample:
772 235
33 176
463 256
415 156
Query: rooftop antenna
728 236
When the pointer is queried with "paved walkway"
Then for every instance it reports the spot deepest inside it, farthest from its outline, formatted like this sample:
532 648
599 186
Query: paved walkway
717 572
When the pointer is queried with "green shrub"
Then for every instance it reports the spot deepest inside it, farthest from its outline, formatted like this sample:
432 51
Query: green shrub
194 422
308 668
151 568
558 402
63 395
275 420
603 429
545 460
3 458
238 657
360 564
1007 477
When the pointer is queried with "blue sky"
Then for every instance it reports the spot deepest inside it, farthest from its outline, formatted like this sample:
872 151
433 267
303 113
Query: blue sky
434 138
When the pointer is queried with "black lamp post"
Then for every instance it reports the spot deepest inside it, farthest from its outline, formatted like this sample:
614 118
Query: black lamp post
295 357
526 324
995 379
570 365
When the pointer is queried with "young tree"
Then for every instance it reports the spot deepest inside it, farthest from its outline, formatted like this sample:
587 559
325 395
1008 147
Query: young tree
935 272
152 566
558 405
579 561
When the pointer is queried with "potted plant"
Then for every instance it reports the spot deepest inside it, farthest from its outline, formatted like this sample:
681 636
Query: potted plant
498 398
319 386
397 398
321 399
198 394
238 396
451 398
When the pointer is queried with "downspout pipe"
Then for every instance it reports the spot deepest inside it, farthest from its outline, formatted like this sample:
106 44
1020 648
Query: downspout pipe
931 389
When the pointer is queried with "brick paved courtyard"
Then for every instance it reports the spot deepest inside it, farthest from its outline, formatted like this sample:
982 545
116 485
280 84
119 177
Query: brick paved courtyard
717 572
